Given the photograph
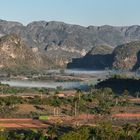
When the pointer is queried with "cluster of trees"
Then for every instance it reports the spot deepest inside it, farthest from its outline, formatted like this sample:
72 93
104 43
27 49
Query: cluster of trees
6 89
24 71
118 84
98 101
8 105
103 131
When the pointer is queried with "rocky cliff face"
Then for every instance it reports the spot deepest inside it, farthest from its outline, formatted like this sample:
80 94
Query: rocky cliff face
98 58
102 49
125 57
62 42
14 54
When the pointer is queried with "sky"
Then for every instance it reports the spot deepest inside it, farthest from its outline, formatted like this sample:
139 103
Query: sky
81 12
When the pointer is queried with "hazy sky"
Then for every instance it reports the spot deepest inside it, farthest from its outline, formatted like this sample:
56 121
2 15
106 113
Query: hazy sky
83 12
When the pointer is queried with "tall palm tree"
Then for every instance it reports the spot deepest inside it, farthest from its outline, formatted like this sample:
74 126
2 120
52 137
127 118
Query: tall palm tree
116 98
56 104
52 131
127 131
79 93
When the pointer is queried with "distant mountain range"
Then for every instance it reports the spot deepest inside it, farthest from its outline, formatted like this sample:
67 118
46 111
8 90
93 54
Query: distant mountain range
56 44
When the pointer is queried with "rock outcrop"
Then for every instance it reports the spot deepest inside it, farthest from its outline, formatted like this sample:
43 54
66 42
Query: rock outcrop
63 42
14 53
124 57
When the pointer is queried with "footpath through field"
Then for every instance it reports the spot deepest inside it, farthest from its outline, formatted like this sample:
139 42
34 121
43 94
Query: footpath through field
33 123
22 123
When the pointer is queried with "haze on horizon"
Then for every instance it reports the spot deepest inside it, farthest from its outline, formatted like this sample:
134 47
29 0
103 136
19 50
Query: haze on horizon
82 12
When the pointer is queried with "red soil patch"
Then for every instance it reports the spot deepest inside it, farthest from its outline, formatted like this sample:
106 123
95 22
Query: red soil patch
22 123
31 123
15 119
126 115
135 99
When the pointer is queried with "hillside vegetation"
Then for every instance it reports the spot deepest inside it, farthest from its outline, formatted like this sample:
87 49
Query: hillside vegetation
14 53
125 57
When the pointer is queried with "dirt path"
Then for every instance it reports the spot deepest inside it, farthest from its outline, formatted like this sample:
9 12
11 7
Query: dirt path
127 115
22 123
31 123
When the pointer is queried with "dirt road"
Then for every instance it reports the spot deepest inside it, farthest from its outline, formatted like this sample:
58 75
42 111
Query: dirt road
22 123
31 123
